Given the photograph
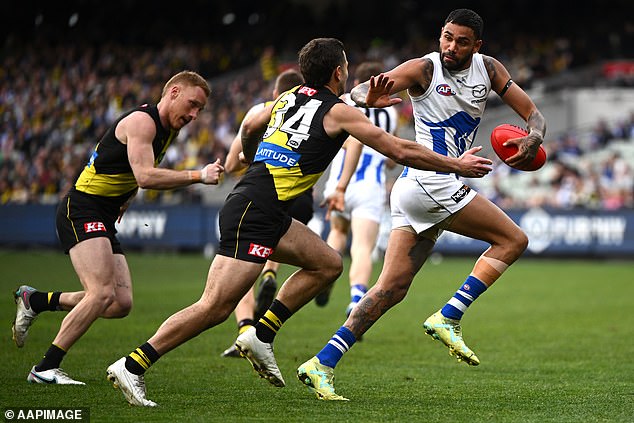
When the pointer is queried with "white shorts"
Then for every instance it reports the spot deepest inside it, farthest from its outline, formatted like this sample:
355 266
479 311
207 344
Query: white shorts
423 202
363 201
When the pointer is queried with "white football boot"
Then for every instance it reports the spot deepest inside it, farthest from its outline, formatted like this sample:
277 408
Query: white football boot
261 357
132 386
24 314
51 377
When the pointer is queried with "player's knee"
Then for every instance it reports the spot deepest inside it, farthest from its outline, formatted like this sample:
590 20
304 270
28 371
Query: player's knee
210 313
222 315
219 315
102 297
123 307
520 242
333 268
514 245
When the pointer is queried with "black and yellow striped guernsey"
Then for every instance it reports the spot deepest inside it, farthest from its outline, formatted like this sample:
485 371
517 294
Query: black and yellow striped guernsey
295 149
108 172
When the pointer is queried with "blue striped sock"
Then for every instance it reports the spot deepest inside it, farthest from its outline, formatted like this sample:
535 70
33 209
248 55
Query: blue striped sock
340 343
468 292
357 292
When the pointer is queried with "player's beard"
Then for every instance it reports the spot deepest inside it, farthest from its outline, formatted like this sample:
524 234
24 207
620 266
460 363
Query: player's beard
456 65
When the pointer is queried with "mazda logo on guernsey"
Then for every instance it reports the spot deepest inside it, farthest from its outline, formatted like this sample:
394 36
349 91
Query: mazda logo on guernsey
260 250
479 90
444 89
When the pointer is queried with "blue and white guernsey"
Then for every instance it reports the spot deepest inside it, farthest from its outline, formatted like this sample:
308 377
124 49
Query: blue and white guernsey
447 115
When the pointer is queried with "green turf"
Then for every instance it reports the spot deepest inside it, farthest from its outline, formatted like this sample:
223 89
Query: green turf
556 341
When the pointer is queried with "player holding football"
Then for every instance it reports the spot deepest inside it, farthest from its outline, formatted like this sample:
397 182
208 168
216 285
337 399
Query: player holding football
289 144
448 90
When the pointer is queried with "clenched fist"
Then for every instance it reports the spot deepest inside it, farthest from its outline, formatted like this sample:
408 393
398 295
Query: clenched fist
211 173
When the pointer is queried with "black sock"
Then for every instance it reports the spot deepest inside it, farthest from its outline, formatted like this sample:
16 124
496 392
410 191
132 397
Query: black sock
52 359
141 359
44 301
269 273
270 323
53 302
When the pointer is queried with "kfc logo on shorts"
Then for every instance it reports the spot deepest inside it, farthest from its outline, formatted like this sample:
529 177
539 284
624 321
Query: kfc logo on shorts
461 193
94 227
260 250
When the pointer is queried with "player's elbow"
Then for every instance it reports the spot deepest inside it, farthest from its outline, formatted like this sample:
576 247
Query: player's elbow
356 94
250 129
143 180
233 165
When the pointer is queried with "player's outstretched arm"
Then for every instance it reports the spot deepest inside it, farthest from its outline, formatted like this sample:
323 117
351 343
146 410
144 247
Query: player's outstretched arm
137 130
408 153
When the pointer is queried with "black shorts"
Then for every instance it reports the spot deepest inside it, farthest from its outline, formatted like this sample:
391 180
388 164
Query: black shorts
248 232
301 208
82 216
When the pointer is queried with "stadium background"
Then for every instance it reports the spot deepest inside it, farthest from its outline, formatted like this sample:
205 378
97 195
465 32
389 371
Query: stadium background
68 69
556 334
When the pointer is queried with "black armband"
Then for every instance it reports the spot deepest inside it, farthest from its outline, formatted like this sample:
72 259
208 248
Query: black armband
506 87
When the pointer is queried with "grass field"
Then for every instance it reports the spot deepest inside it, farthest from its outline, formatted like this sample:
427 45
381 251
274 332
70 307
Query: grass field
556 341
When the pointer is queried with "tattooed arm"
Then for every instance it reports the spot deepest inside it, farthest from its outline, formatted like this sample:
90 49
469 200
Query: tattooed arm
522 104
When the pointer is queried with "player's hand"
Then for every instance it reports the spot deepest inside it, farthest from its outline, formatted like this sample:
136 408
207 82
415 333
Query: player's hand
379 92
335 201
473 166
210 174
527 148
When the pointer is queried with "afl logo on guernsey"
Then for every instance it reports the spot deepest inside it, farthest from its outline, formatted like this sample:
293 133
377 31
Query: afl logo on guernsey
444 89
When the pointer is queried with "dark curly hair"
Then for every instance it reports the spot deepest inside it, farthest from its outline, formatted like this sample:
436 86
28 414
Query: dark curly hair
319 58
468 18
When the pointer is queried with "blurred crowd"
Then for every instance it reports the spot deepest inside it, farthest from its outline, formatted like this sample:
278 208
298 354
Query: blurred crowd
591 169
56 100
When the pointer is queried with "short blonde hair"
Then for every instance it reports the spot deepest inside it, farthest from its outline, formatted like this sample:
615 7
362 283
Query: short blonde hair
189 78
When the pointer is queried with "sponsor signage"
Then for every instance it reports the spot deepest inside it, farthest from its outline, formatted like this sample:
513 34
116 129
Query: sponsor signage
551 232
562 233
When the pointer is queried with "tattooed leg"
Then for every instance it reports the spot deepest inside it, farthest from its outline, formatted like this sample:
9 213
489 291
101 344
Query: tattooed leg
405 255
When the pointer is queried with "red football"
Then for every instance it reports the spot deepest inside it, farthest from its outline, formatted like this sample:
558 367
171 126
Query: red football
505 132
